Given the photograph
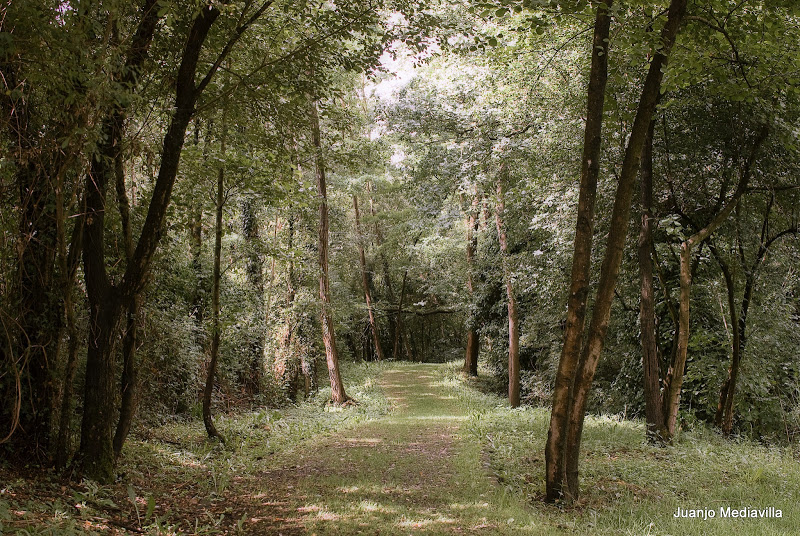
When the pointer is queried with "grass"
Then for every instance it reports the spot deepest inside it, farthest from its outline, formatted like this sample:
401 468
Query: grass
631 487
423 452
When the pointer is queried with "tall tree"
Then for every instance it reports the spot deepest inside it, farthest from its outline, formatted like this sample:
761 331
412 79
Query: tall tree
590 353
513 316
338 395
555 451
473 339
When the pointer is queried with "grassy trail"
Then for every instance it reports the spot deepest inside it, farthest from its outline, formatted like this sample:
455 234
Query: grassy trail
409 471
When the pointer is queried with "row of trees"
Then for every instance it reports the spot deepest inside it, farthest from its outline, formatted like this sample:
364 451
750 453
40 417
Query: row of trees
119 121
369 218
680 103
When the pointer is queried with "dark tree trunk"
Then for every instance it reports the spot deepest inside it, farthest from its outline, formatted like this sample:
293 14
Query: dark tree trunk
399 325
513 323
105 311
338 395
725 408
654 415
105 300
130 370
68 265
373 325
555 457
736 346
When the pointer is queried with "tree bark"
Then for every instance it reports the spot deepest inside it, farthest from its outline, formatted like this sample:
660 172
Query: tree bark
251 231
725 408
129 386
654 415
555 466
398 331
283 360
513 323
598 326
338 395
365 283
574 400
105 300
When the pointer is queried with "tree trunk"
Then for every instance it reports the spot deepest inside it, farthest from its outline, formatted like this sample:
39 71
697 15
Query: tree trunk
513 324
68 265
130 370
730 286
555 470
674 380
387 277
473 340
338 395
283 360
216 329
654 415
105 311
365 283
592 349
398 331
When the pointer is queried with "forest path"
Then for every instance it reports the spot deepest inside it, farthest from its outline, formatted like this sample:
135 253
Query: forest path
409 471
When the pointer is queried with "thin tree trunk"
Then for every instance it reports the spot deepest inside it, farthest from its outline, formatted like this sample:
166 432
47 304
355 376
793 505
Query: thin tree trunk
130 371
365 283
399 326
730 286
69 266
601 312
215 325
387 278
338 395
513 324
654 415
473 340
675 374
555 449
282 364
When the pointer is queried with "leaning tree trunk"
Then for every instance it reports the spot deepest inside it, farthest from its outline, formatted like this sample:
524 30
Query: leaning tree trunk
513 323
338 395
674 381
601 312
555 461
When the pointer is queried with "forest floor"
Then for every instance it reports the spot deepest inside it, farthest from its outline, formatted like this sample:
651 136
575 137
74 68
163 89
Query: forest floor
423 452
